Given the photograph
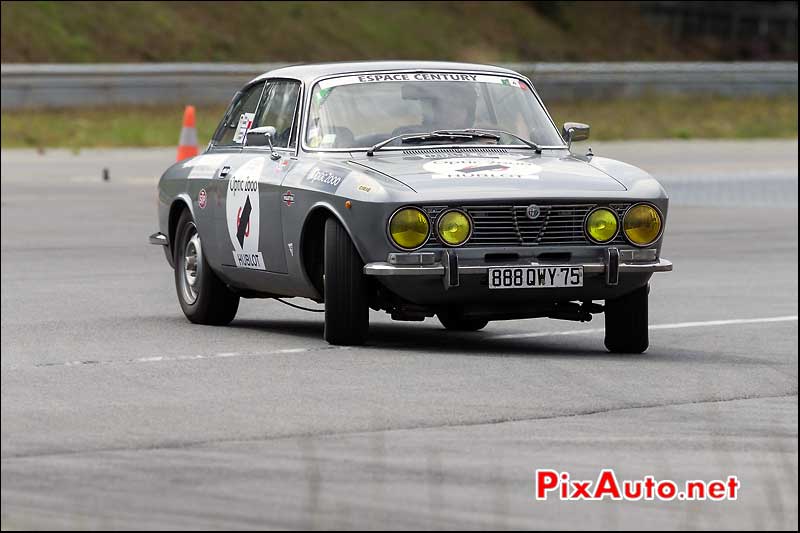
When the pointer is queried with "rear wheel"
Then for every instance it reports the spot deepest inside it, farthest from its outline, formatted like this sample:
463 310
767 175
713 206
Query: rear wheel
456 322
626 322
345 287
203 297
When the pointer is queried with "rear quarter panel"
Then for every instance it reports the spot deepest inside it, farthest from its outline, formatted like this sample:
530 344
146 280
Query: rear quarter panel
180 186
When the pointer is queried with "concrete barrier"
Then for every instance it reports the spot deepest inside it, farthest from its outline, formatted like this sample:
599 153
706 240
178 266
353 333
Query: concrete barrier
61 85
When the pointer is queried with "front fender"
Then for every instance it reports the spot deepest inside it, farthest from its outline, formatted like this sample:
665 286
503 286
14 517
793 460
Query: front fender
638 182
329 209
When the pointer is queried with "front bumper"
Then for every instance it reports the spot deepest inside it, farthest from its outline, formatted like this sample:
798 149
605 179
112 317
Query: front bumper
447 267
387 269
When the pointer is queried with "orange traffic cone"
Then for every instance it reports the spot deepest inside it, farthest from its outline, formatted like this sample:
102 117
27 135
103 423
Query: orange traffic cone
187 145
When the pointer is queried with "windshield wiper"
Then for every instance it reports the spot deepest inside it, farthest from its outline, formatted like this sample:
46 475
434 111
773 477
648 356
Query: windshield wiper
497 133
383 143
408 138
450 134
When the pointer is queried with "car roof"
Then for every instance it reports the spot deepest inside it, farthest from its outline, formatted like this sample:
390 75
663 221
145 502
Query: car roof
314 71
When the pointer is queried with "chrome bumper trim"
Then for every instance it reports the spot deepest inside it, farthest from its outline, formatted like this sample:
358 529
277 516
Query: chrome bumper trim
387 269
662 265
159 239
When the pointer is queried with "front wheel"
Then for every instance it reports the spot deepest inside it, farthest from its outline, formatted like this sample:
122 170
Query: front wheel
204 298
346 294
626 322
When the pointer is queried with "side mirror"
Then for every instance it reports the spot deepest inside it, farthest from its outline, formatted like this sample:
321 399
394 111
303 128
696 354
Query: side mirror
261 136
574 132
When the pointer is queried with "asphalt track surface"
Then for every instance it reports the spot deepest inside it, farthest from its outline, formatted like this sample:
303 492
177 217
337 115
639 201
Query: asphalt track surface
118 413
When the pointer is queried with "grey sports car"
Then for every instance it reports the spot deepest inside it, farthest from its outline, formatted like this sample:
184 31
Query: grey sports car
416 188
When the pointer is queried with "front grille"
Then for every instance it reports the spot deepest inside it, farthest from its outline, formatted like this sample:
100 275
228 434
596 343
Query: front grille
508 225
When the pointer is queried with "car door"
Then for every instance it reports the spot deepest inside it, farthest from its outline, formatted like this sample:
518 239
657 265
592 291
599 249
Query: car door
204 183
231 179
278 109
250 224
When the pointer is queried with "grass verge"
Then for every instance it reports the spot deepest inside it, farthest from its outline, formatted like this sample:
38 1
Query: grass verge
92 32
643 118
684 117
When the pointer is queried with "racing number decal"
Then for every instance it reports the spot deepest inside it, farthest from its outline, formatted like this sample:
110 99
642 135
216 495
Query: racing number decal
243 222
242 214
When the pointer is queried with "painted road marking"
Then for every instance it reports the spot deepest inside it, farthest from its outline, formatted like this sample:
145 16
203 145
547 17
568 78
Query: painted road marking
226 355
198 357
677 325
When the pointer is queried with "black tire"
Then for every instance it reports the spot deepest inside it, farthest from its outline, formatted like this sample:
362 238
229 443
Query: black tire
213 303
626 322
346 293
455 322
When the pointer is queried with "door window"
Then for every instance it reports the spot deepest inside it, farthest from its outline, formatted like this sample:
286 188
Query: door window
239 117
279 109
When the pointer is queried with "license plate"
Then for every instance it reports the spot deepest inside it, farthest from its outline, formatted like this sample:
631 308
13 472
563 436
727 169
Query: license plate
535 277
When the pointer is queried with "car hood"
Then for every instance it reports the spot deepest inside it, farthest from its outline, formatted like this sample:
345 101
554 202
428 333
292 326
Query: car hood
494 174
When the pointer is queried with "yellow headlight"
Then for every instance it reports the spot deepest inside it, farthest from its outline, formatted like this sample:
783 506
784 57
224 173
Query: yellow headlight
409 228
642 224
602 225
454 228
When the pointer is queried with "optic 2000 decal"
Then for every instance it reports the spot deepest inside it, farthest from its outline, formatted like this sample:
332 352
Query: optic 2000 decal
242 213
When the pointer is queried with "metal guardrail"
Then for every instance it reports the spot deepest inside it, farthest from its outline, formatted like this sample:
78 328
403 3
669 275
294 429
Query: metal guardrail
62 85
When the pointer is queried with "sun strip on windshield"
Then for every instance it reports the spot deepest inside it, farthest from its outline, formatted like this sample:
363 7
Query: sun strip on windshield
420 76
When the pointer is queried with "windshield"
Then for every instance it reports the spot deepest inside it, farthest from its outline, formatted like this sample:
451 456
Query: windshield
358 112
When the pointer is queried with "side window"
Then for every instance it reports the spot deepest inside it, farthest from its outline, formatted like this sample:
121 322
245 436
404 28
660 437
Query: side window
278 109
239 117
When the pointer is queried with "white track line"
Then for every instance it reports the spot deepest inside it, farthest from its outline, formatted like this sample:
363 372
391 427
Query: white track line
676 325
173 358
225 355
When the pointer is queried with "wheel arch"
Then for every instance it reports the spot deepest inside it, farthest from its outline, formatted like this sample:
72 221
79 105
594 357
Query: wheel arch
179 204
312 239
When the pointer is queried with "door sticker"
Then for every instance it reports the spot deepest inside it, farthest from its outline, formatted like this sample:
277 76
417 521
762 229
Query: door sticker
245 121
242 215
